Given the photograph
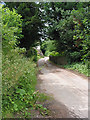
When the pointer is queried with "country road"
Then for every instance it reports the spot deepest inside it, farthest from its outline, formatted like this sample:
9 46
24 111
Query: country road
69 90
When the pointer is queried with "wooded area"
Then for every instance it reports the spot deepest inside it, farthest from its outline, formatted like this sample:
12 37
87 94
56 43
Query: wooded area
61 29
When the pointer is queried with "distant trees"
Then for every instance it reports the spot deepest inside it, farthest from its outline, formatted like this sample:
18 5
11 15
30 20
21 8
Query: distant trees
48 46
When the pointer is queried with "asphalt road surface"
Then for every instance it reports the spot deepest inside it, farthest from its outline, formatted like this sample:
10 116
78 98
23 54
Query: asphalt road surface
66 87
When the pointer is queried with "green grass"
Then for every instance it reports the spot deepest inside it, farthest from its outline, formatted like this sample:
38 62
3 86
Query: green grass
80 67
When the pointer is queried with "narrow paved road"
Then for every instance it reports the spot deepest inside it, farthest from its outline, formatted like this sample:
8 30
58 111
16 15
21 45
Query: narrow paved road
67 88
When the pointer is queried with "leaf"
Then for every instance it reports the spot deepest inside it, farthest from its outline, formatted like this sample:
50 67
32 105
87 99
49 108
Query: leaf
15 107
21 91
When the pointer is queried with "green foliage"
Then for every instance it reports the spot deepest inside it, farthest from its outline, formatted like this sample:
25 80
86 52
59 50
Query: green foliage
80 67
32 23
11 29
19 79
74 57
54 53
43 111
32 52
18 71
61 29
39 56
69 27
68 33
48 46
81 31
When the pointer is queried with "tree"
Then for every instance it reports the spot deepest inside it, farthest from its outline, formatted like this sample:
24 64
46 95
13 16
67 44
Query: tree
81 31
32 22
61 27
11 29
48 46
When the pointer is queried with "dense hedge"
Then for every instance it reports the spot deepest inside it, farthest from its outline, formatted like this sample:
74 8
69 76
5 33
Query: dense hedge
18 72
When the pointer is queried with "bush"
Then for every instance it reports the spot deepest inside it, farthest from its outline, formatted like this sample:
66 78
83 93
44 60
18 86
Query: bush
74 57
47 53
32 52
81 31
48 46
18 72
54 53
11 29
19 79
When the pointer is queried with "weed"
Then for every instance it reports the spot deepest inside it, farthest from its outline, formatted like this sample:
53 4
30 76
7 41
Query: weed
19 80
80 67
43 97
43 111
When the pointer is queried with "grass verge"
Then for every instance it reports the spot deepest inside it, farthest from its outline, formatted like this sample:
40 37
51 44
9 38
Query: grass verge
19 81
80 67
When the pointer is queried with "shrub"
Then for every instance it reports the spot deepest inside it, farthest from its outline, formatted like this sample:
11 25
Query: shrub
47 53
11 29
19 79
74 56
81 31
48 46
32 52
54 53
18 72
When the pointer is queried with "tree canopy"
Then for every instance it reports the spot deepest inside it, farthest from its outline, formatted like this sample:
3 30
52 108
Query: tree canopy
32 23
67 23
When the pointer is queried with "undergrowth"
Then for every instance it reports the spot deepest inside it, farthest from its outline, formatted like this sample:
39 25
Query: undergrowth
19 81
18 71
80 67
